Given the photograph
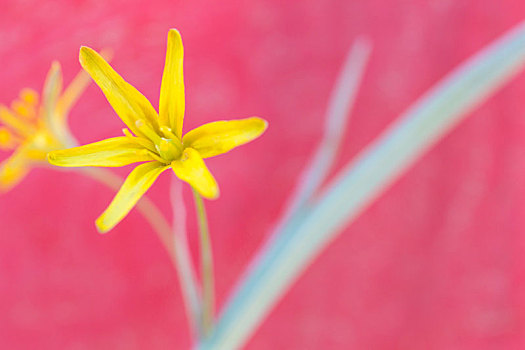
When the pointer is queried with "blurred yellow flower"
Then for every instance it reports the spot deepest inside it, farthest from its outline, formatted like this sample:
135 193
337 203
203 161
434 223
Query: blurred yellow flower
31 128
154 138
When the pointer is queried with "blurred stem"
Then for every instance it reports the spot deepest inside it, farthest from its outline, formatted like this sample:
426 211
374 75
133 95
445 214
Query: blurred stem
147 209
177 248
192 296
206 265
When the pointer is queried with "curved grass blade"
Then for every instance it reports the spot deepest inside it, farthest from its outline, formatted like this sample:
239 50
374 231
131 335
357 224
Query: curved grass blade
190 291
282 261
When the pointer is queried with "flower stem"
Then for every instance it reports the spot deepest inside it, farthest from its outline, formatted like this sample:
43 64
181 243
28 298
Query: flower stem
176 247
192 299
206 265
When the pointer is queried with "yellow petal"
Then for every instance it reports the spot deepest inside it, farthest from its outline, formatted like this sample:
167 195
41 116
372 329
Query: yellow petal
113 152
219 137
12 171
75 89
128 102
171 106
136 184
191 168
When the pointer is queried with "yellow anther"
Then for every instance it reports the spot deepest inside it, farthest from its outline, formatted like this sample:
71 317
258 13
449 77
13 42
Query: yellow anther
29 96
23 109
168 133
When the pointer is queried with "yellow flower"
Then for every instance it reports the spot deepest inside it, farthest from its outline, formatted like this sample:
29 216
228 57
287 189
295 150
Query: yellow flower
31 129
155 139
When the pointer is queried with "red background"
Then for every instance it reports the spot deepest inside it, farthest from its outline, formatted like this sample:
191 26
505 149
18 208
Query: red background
436 263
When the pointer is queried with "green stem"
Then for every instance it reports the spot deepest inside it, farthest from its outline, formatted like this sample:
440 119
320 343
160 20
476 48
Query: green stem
206 265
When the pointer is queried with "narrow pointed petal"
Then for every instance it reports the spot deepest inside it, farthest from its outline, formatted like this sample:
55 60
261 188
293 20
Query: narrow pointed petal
128 102
7 139
171 106
191 168
12 171
136 184
220 137
75 89
113 152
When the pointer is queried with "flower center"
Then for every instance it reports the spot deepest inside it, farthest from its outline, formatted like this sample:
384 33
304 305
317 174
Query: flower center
169 149
167 144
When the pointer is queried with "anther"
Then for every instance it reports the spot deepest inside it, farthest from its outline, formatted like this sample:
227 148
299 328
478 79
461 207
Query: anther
147 130
144 142
168 133
23 109
29 96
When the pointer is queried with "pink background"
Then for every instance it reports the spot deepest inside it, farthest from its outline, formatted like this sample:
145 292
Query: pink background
436 263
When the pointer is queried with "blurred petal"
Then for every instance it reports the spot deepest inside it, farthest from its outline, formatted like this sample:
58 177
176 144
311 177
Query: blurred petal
7 139
113 152
51 92
136 184
12 171
219 137
71 94
191 168
35 154
128 102
29 96
171 106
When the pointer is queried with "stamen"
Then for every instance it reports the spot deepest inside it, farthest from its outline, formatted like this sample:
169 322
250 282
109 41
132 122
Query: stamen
168 133
145 143
127 133
157 157
140 140
23 109
169 150
147 130
29 96
20 126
